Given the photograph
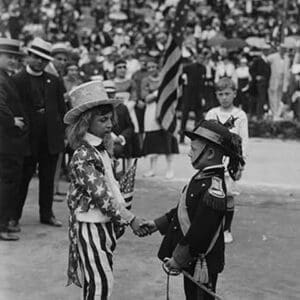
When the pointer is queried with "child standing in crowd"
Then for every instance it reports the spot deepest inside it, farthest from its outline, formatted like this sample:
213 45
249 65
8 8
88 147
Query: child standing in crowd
193 231
95 202
236 121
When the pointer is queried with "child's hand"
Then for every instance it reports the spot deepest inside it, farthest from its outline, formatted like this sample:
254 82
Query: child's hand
137 228
172 265
149 225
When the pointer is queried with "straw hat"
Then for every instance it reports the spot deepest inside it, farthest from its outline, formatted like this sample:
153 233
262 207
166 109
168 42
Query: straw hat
86 96
110 86
60 48
10 46
41 48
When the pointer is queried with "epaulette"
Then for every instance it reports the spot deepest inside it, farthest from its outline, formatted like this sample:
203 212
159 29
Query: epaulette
201 176
216 197
209 173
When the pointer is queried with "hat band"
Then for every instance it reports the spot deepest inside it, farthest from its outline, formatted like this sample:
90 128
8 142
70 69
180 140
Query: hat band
209 135
11 48
41 50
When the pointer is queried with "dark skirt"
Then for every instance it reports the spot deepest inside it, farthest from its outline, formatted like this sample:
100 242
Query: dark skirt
160 142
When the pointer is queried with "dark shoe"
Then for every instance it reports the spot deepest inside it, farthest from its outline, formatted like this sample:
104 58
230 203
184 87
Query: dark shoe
52 222
6 236
14 226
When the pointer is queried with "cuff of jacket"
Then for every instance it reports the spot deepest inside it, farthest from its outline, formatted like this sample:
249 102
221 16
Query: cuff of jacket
126 215
182 255
162 224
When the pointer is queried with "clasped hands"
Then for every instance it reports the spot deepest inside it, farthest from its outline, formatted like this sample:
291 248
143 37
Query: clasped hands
142 227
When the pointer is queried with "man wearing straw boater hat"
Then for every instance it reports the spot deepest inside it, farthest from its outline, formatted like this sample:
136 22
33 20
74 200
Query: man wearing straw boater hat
60 53
13 135
42 94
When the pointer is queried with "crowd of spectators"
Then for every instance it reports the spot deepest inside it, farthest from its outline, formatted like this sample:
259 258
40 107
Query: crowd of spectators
254 43
227 37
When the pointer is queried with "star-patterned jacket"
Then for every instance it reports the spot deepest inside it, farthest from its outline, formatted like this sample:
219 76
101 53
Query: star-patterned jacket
205 204
93 193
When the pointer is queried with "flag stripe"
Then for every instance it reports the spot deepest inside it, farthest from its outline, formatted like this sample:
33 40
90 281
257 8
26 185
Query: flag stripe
170 46
169 114
169 92
171 67
166 106
170 75
169 85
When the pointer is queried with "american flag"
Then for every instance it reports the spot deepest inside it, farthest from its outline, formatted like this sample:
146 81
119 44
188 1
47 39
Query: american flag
169 90
127 184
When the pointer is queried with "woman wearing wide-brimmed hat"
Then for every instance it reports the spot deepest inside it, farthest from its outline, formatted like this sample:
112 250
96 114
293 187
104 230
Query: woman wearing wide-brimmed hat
94 198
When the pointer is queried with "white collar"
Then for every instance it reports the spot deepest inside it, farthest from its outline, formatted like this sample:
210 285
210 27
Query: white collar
92 139
33 73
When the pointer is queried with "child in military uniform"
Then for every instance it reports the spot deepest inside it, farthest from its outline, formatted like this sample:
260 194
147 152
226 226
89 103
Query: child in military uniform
193 231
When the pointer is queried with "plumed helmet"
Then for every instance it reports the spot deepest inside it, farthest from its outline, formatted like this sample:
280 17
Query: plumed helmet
219 135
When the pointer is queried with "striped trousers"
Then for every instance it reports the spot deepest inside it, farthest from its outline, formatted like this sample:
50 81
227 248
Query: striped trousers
96 243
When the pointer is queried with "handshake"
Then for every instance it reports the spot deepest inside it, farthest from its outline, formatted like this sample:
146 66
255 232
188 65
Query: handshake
142 227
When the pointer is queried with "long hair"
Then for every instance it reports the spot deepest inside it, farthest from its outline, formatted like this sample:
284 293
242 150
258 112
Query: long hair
77 130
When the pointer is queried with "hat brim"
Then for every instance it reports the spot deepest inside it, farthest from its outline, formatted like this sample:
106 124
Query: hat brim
207 135
214 138
38 53
191 135
13 52
72 115
60 50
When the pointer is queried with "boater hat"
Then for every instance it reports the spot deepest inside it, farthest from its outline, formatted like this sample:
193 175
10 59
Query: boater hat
109 86
60 48
10 46
41 48
86 96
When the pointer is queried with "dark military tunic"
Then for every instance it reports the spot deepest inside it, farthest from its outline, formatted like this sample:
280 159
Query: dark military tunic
205 202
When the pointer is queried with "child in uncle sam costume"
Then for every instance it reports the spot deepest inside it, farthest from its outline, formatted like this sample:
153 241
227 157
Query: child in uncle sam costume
193 231
235 119
94 199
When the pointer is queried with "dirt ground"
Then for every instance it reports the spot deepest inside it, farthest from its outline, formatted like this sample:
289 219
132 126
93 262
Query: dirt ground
262 263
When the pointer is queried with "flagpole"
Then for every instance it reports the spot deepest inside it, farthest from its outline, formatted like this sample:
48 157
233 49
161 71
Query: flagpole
284 20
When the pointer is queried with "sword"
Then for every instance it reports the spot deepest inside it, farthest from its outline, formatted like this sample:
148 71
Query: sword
200 285
190 277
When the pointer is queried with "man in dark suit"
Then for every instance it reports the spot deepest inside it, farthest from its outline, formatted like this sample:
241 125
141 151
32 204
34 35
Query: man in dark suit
260 72
42 95
13 136
194 83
